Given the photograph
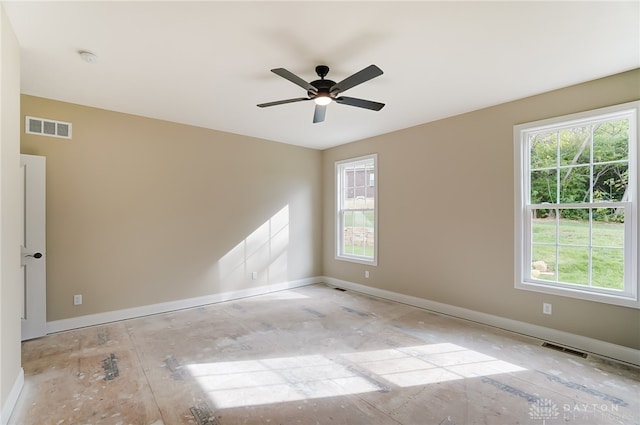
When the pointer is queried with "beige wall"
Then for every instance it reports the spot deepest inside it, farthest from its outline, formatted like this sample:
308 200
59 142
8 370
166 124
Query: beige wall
10 271
142 211
446 206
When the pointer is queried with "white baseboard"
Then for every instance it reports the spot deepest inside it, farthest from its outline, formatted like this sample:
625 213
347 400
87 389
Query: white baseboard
12 399
131 313
564 339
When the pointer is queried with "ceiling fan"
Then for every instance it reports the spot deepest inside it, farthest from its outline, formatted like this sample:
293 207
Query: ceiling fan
323 92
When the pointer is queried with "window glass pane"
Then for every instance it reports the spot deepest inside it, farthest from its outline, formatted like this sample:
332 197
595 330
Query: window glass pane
371 202
575 214
359 184
347 240
539 213
359 202
359 237
575 145
610 181
543 150
346 190
543 230
543 262
351 184
573 265
608 268
608 227
544 186
367 184
573 227
574 184
370 182
611 141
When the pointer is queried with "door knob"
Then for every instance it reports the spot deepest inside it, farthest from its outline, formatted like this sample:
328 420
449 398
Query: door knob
36 255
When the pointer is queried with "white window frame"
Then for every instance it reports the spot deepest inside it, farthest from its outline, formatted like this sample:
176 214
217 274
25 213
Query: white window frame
339 221
523 230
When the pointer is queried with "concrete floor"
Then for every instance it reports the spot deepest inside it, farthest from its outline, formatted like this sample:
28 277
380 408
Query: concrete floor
314 355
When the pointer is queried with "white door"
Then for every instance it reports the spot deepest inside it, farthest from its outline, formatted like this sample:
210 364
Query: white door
34 295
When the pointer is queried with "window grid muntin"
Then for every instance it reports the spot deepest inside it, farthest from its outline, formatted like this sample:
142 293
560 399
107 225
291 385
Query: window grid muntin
523 137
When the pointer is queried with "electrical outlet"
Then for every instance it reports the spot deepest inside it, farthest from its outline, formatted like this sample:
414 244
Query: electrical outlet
546 308
254 275
366 274
77 299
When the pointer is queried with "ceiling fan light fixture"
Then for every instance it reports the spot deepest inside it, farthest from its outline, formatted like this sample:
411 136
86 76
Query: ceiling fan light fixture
322 99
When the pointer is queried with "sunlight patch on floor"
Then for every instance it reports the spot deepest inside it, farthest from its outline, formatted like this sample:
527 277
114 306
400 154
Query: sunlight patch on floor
254 382
428 364
277 380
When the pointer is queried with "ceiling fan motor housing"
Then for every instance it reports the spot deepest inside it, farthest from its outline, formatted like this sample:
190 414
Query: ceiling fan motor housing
323 86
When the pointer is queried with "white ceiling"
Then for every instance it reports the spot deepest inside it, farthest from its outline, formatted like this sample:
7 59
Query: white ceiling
207 63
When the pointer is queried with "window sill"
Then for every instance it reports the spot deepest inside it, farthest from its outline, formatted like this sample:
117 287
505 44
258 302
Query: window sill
619 300
358 260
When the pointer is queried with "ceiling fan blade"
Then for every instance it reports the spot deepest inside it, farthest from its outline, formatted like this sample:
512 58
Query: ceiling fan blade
359 77
282 102
360 103
319 113
294 79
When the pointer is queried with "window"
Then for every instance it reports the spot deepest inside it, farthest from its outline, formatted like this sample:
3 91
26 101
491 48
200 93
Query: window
576 205
356 219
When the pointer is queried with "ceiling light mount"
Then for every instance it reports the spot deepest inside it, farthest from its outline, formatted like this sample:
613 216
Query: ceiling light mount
322 71
87 56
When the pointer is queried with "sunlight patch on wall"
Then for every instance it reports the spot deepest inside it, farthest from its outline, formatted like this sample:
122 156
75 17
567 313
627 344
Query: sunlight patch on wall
265 251
278 380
